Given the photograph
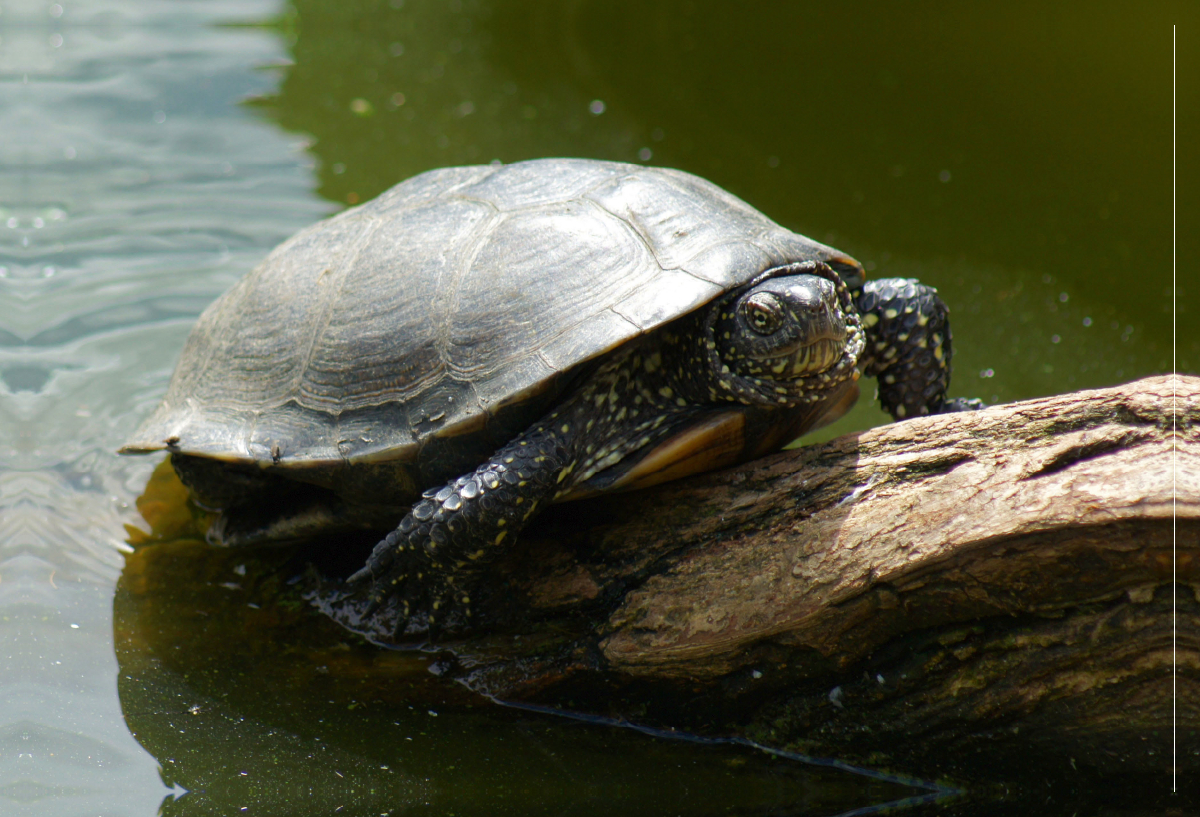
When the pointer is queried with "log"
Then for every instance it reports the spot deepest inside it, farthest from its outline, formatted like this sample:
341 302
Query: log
974 595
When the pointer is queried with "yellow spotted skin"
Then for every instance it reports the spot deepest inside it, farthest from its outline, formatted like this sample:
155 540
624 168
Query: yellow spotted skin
908 348
439 548
791 337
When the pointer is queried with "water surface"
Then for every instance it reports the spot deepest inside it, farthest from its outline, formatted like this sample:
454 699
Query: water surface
1018 158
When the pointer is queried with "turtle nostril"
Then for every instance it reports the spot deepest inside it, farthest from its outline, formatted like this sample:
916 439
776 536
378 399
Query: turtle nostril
814 304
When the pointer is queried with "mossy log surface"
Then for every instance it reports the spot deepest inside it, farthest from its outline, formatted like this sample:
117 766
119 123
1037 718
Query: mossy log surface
964 595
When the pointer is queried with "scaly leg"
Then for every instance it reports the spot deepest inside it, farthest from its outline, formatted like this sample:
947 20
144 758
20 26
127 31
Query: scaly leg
428 562
908 347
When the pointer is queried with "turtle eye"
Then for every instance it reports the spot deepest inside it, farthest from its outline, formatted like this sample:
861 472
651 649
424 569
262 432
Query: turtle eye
762 312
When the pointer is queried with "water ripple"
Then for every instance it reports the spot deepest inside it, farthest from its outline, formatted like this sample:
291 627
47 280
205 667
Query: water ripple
133 189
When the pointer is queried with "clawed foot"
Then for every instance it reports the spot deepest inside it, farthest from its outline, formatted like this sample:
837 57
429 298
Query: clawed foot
397 569
962 404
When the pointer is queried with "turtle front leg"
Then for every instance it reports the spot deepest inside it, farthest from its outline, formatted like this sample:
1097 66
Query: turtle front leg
908 347
433 557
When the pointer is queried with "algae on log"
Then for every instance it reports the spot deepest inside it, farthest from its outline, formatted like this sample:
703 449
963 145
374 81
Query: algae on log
965 594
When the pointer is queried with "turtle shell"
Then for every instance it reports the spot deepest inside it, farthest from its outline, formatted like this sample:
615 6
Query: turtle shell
441 318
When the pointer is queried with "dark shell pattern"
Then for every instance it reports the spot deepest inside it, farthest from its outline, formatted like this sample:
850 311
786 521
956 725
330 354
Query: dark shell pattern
421 315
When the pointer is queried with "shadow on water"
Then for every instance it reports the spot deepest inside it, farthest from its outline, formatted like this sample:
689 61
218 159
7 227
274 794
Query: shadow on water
250 698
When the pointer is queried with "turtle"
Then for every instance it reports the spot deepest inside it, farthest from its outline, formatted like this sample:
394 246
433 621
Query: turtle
446 360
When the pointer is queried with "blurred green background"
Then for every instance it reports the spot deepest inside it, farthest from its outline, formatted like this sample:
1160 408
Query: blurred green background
1016 156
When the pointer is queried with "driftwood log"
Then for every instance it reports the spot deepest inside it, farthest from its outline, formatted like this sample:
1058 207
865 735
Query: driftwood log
987 595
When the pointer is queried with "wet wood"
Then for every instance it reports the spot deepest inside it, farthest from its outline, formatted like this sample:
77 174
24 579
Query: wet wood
945 587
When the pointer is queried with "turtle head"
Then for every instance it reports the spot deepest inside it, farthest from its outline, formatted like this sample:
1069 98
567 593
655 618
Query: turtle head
783 328
791 336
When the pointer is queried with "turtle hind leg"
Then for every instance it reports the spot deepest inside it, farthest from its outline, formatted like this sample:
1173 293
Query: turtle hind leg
431 561
217 485
908 347
255 507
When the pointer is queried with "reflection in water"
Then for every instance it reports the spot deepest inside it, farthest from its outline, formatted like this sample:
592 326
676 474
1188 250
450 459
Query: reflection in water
250 698
131 192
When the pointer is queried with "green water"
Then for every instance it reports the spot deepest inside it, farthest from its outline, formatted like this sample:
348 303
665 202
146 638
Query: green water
1016 156
1018 159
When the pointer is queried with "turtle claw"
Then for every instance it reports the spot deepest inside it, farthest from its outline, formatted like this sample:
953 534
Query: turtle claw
446 600
440 605
381 561
374 602
359 576
403 616
401 584
961 404
399 571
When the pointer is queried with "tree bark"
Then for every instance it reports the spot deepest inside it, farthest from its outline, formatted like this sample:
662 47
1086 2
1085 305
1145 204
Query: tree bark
966 594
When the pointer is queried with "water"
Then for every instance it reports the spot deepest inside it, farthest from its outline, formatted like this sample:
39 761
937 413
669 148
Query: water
124 183
150 153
